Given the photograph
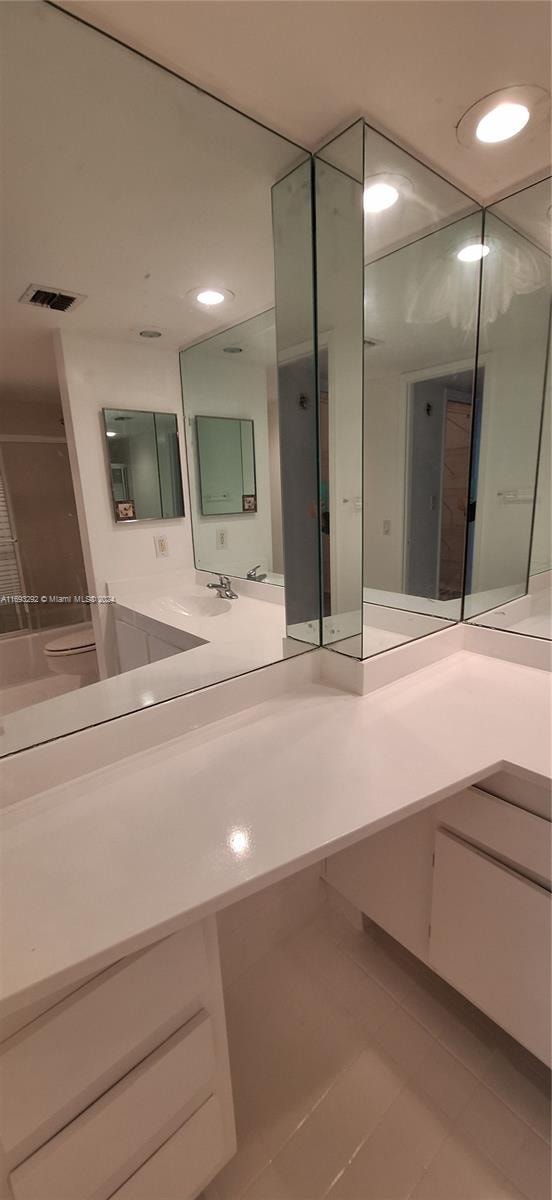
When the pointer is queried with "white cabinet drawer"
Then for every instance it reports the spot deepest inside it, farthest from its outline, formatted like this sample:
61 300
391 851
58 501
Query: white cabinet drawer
98 1151
53 1069
490 938
508 832
184 1164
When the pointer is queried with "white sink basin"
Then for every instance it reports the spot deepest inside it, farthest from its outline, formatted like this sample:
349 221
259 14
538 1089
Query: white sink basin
196 606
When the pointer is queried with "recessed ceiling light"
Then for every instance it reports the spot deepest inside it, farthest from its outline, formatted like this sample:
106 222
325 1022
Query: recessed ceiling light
473 252
150 333
210 297
502 122
502 115
111 433
379 196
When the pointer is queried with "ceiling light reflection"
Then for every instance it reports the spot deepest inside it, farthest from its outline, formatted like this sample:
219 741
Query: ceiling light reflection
239 842
473 252
379 196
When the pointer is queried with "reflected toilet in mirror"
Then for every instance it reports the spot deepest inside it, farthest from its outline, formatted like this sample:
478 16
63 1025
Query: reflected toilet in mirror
111 542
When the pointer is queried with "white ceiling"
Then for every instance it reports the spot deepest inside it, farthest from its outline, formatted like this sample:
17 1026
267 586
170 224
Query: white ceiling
126 185
308 67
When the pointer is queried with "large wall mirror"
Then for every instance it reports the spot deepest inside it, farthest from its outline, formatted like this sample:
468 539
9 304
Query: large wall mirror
229 388
172 222
509 584
398 284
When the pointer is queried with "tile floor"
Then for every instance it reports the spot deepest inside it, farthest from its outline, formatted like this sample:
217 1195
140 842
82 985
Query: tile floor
359 1075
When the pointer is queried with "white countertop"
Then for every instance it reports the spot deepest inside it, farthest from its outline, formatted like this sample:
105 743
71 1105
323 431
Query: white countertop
108 863
248 633
530 615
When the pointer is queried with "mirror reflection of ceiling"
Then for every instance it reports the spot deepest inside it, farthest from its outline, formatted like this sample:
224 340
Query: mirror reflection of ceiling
424 201
252 341
530 212
421 301
127 185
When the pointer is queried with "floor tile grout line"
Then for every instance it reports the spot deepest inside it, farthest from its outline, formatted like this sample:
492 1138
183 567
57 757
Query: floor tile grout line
439 1039
272 1161
412 1079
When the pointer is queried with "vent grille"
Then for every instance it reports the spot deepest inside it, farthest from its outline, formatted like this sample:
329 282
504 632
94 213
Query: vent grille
48 297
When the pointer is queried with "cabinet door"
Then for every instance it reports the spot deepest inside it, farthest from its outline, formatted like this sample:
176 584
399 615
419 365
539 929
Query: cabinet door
132 646
158 649
490 937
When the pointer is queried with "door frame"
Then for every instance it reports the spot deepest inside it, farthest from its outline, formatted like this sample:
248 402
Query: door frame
408 378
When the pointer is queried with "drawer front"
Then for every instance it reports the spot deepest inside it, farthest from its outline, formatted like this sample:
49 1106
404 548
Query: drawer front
62 1062
490 938
183 1165
507 831
95 1154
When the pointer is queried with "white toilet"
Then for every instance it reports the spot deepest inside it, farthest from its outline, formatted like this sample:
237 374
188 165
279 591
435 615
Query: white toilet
74 653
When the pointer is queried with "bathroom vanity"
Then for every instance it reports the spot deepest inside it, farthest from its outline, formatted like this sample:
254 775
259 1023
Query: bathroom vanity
122 1080
465 886
110 962
154 621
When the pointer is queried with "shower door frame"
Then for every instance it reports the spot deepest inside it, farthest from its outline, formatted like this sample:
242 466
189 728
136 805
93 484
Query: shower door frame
29 438
24 626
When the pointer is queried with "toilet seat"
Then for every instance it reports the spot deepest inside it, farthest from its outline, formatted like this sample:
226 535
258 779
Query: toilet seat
79 642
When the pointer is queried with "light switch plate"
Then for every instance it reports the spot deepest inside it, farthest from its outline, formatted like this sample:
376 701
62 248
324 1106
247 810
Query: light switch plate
161 543
221 538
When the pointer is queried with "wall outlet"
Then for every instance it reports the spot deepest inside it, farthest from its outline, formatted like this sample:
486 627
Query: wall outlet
221 538
161 543
387 526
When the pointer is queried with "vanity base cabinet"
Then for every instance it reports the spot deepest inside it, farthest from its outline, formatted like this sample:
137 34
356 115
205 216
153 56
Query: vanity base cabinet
123 1082
490 929
136 648
465 886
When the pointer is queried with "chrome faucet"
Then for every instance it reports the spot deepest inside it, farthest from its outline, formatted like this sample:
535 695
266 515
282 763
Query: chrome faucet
252 574
224 588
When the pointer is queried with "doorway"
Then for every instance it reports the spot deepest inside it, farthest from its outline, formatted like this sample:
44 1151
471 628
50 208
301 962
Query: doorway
440 498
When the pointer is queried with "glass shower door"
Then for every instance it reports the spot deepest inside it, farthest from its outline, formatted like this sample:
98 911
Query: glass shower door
44 557
14 615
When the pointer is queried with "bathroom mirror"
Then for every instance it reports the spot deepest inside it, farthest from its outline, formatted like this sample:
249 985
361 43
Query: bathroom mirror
144 464
161 235
398 285
226 458
230 398
509 584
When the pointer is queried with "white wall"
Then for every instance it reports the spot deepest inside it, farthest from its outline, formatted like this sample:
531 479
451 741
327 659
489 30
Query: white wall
222 385
96 374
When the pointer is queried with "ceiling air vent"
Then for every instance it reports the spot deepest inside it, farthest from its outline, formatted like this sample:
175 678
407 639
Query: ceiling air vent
48 297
